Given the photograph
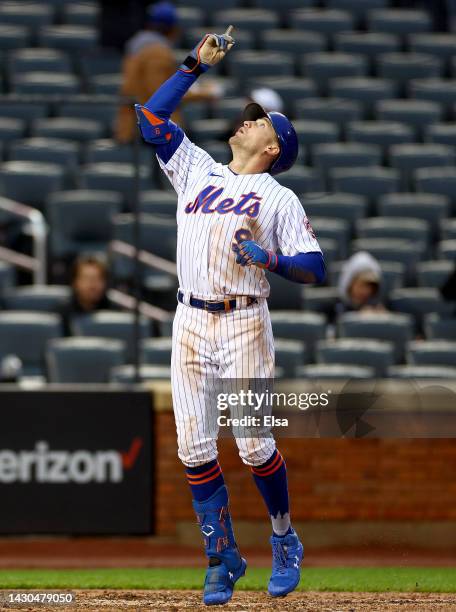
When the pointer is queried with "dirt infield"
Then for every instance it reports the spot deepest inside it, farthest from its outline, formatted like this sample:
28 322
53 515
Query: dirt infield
190 601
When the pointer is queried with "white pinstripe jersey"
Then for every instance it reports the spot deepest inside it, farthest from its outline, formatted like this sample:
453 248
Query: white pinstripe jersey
214 206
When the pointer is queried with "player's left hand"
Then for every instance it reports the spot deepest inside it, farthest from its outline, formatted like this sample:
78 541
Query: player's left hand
251 254
213 47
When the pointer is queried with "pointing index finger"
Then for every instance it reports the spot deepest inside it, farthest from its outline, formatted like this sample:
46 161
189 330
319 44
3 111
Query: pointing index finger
229 29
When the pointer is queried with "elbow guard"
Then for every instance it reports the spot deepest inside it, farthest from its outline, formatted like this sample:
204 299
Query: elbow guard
153 129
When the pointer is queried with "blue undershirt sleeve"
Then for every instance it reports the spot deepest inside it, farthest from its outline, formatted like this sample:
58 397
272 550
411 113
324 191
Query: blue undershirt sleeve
301 268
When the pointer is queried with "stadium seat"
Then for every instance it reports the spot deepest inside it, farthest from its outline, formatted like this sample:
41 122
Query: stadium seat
405 252
334 110
193 111
322 67
81 130
441 181
319 299
416 230
442 91
446 249
419 371
377 354
80 221
107 150
430 207
98 61
7 277
402 67
158 202
118 177
22 110
448 229
207 129
30 83
417 114
290 89
126 374
440 328
105 84
325 21
227 108
83 360
311 132
380 133
409 157
30 14
346 206
30 182
441 133
334 371
395 21
14 36
156 351
442 45
365 90
245 39
40 298
255 20
337 230
26 335
11 129
301 179
283 295
432 352
81 13
369 44
218 150
74 38
345 155
105 113
36 59
292 41
371 182
253 64
295 325
418 302
332 249
357 7
289 354
190 17
109 324
65 153
397 328
434 273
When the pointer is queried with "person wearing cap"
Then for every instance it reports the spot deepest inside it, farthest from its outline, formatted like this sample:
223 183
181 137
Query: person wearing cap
266 97
360 283
232 220
149 60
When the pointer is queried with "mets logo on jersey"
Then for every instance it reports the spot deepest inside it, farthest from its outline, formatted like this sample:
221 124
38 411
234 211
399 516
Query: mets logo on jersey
309 227
209 201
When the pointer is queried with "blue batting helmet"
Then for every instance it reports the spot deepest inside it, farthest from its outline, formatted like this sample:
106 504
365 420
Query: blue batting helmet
286 135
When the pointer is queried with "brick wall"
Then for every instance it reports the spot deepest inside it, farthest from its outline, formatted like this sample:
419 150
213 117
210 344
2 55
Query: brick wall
329 480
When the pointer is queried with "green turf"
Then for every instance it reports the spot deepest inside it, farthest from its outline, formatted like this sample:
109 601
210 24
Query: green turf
379 579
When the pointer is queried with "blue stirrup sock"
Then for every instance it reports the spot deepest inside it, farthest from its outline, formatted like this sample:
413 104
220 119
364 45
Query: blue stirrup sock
271 480
205 480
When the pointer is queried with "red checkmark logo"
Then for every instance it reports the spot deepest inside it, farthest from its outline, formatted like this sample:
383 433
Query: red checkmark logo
129 457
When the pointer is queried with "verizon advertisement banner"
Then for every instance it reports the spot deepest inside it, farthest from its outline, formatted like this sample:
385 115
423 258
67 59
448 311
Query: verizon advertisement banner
76 462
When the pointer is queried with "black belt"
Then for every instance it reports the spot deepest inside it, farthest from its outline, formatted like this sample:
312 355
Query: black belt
212 306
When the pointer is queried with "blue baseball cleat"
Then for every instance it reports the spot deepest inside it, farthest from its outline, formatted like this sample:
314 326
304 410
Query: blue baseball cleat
287 554
226 565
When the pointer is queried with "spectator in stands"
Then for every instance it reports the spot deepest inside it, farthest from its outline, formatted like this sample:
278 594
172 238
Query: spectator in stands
448 290
148 62
359 284
89 281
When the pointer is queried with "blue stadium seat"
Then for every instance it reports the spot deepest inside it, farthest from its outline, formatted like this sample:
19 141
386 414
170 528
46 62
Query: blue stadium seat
158 202
290 354
227 108
371 182
105 84
334 229
432 352
72 128
345 155
446 249
319 299
418 302
245 39
285 4
36 59
440 328
440 181
322 67
346 206
218 150
207 129
311 132
380 133
255 20
109 324
30 182
11 129
26 335
65 153
440 44
7 277
366 90
84 359
441 133
126 374
397 328
193 111
409 157
357 7
80 221
417 114
118 177
110 151
370 44
30 14
292 41
334 371
403 67
11 107
332 249
105 113
395 21
156 351
81 13
434 273
405 252
296 325
290 89
326 21
448 229
254 64
39 298
98 61
74 38
190 17
301 179
333 110
283 295
430 207
378 354
28 83
419 371
442 91
14 36
416 230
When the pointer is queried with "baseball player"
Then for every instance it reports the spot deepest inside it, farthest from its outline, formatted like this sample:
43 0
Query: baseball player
231 221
